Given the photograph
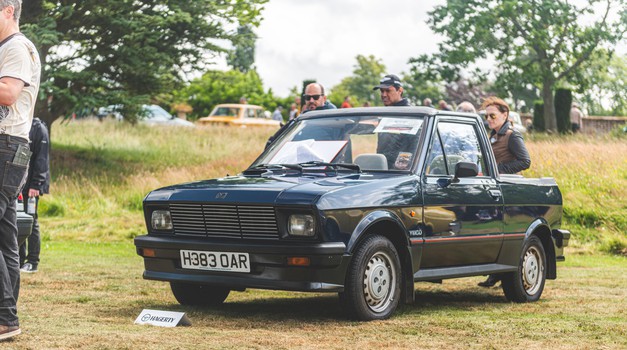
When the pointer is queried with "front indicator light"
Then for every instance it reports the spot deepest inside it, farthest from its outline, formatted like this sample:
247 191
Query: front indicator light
298 261
301 225
161 220
147 252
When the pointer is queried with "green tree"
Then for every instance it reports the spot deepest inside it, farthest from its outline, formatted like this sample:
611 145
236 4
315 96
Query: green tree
546 40
602 88
366 74
96 53
216 87
242 57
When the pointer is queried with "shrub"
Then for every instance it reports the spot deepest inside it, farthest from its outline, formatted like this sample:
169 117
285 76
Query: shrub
563 101
538 116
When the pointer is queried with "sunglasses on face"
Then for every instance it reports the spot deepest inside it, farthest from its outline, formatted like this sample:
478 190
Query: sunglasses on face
315 97
491 116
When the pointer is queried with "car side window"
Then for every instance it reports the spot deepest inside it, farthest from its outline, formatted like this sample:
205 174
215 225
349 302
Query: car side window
435 159
461 144
454 143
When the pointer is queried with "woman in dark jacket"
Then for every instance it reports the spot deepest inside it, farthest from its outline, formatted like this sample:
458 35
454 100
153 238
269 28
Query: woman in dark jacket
508 147
507 143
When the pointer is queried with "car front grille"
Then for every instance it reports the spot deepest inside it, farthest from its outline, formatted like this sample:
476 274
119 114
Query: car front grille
218 220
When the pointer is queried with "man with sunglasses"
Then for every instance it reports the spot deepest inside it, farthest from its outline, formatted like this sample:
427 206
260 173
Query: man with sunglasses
509 148
315 98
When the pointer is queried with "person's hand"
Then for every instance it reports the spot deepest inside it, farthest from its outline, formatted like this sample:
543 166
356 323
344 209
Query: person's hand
33 192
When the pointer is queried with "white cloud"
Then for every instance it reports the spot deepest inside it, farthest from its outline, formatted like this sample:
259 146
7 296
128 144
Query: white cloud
320 40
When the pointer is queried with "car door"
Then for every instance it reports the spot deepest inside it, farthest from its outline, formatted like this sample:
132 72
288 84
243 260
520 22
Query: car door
463 218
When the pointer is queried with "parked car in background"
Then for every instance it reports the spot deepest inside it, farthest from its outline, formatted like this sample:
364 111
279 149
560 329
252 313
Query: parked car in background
159 116
152 115
24 222
240 115
513 116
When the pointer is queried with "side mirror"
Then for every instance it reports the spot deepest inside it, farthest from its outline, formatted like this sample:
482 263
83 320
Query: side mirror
466 169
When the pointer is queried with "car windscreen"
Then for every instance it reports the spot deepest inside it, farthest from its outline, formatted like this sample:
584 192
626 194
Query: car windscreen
225 112
378 143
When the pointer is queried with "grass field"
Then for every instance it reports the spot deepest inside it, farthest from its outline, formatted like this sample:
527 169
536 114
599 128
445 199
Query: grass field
87 296
89 289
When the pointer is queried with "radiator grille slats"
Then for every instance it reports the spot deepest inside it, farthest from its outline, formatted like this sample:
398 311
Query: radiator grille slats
234 221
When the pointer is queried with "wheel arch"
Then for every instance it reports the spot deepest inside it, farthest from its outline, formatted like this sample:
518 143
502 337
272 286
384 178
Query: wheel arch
387 224
540 228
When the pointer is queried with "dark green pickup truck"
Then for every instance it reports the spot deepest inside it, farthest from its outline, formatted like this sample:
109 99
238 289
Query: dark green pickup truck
363 202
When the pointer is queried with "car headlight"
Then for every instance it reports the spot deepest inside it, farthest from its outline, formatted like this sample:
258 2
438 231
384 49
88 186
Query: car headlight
301 225
161 220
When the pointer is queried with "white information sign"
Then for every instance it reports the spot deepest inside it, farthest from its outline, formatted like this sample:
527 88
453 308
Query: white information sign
398 126
163 318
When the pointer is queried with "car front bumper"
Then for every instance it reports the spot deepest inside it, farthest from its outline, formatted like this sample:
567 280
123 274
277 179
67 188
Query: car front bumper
268 263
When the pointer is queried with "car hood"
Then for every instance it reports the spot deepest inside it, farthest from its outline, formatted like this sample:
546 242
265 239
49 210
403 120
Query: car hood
327 193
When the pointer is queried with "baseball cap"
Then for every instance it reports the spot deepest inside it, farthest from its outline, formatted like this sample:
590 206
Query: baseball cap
387 81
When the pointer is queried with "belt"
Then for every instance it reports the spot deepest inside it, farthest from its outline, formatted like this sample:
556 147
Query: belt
11 138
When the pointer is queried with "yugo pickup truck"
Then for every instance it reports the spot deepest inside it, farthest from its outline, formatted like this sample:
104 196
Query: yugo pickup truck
363 202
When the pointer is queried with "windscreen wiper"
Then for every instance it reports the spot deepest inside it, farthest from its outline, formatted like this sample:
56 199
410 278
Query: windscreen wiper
264 168
335 166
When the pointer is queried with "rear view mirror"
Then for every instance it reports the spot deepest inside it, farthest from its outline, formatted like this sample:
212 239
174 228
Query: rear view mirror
466 169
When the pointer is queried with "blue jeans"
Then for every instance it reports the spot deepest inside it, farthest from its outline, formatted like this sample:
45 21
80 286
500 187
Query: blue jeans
12 178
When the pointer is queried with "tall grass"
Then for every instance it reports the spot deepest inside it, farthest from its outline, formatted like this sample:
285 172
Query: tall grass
102 171
592 175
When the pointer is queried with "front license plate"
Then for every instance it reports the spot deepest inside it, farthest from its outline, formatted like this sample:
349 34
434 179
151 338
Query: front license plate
215 261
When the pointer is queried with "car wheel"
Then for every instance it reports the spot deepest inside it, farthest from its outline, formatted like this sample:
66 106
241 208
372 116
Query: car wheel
527 282
198 294
372 289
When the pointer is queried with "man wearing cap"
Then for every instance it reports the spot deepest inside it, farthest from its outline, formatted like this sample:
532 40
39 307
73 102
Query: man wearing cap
391 90
397 148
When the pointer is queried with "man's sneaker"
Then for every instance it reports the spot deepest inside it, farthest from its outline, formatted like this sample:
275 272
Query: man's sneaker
7 332
490 282
28 268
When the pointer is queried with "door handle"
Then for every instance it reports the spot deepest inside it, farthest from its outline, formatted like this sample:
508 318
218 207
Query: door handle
496 194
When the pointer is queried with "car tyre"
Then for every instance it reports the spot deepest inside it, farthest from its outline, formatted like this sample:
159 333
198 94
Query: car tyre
199 294
373 286
527 282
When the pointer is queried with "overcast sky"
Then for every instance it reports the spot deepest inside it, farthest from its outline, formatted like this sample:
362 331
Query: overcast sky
320 39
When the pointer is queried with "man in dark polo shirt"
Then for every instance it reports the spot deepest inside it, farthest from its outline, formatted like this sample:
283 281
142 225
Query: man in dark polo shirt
397 148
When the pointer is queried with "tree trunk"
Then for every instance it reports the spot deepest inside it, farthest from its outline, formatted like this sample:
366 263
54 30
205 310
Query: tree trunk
550 122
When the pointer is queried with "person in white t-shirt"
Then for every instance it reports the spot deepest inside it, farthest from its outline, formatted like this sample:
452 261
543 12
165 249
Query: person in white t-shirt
20 71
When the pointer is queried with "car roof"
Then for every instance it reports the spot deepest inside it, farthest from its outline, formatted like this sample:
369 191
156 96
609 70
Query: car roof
400 110
238 105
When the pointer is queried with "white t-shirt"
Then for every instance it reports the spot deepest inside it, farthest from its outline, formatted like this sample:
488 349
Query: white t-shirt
19 59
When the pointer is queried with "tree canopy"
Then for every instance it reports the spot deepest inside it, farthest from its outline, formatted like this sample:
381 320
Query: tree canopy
543 42
217 86
96 53
242 57
366 74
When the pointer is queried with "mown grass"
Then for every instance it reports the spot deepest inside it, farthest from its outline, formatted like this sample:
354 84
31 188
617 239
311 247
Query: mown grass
87 296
